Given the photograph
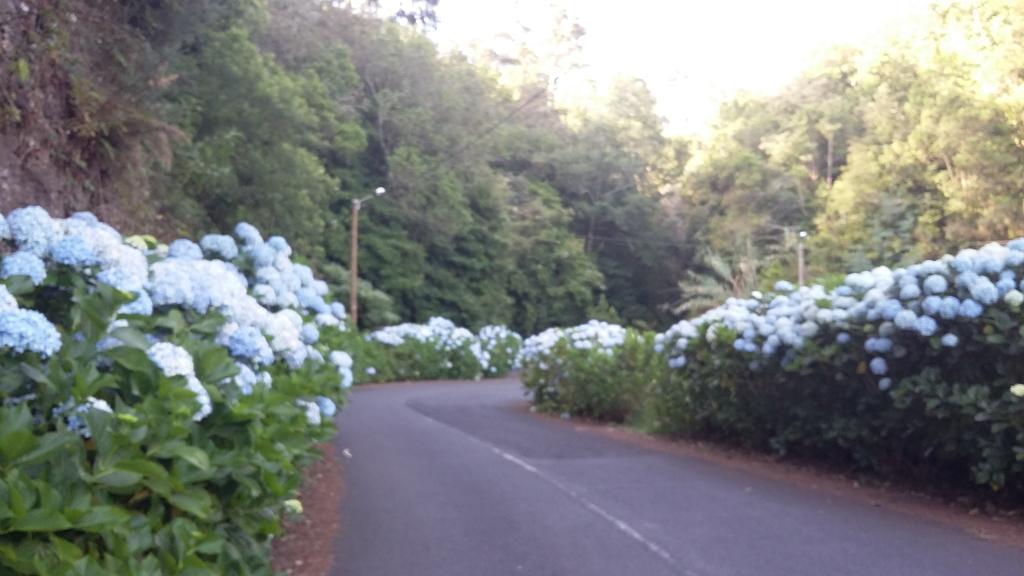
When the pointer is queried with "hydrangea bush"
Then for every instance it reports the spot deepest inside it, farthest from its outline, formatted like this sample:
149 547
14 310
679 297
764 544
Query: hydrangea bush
909 371
436 350
596 370
159 402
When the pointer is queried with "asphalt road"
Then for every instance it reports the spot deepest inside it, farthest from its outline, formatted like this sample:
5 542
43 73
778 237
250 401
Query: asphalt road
456 479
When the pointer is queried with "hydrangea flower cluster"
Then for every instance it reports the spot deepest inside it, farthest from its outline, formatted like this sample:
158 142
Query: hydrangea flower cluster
941 299
176 361
448 339
596 335
265 297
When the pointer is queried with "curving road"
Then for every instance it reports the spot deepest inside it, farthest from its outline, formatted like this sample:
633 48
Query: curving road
456 479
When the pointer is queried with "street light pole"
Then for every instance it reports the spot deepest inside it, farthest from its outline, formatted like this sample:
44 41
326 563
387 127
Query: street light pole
353 280
800 272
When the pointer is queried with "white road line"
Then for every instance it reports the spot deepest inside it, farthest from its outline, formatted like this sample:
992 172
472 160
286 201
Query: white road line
619 524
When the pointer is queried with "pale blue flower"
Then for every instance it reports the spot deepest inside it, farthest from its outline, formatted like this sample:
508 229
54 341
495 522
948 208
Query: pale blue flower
931 305
248 343
185 250
279 245
935 284
783 286
327 407
141 306
338 309
32 229
885 384
970 309
309 334
890 308
1016 244
261 255
984 291
950 307
24 263
28 331
74 251
879 367
950 340
5 230
910 292
905 320
843 337
878 345
7 300
248 234
219 246
926 326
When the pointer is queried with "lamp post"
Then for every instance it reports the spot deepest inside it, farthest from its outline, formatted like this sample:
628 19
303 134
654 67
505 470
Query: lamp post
800 272
353 300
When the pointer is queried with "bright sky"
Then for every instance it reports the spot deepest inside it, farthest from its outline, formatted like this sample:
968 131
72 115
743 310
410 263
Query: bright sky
693 54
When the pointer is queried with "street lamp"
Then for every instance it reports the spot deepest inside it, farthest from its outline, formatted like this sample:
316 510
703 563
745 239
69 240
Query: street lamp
353 301
800 257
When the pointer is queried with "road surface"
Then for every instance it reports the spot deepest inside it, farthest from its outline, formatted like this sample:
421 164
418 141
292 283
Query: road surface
457 479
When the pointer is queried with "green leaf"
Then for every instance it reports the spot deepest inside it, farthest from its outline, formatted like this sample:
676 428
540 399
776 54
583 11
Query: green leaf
132 338
191 454
196 502
49 444
22 70
35 374
65 550
131 358
100 518
117 478
41 520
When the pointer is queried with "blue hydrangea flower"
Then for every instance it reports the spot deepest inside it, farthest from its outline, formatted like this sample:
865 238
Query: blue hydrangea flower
950 340
279 245
843 337
185 250
32 229
28 331
885 384
249 343
926 326
950 308
1016 244
935 284
879 367
74 251
7 300
5 230
24 263
910 292
141 306
309 334
970 309
783 286
248 234
261 255
905 320
878 345
890 308
931 305
1005 285
327 407
219 246
984 291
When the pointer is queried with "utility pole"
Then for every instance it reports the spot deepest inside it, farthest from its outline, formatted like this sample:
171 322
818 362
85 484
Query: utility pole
800 271
353 270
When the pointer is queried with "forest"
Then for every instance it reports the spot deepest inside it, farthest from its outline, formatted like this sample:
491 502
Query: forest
504 206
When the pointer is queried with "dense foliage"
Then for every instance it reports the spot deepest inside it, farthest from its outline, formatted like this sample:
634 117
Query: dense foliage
159 402
908 371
